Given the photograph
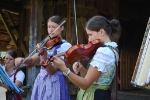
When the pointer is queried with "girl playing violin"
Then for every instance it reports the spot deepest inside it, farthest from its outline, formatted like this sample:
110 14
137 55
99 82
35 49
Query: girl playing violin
50 83
94 83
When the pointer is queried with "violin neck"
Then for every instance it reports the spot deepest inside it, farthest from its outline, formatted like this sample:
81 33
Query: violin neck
22 65
60 54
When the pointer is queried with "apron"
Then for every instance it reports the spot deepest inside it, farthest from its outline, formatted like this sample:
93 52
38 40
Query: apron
89 93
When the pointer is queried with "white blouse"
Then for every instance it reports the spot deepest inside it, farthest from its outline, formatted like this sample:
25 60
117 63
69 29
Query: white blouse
20 76
104 60
104 57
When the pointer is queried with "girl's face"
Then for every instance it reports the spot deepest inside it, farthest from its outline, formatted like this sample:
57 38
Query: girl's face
93 35
9 60
51 26
101 34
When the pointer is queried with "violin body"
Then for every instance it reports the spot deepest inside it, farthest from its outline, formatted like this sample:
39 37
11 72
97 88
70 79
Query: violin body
52 42
81 51
48 44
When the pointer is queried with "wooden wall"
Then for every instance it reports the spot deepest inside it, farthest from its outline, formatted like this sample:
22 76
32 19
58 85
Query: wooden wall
65 8
31 28
127 61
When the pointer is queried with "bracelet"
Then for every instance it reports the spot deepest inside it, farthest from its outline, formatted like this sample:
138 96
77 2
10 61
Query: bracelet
67 73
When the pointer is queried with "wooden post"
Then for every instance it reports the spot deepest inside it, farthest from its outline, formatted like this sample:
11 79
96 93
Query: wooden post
34 38
68 22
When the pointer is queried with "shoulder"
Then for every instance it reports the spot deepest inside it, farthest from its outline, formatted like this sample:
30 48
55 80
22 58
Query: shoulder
65 44
20 73
20 76
104 58
106 50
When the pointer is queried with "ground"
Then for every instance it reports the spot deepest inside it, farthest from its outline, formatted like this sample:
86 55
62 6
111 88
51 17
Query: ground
138 94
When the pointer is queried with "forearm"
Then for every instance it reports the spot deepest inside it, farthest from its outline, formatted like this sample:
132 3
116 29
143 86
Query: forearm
18 83
44 57
51 69
79 81
32 60
83 72
84 83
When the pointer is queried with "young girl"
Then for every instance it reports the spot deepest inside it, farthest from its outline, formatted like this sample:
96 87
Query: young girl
95 81
15 76
50 83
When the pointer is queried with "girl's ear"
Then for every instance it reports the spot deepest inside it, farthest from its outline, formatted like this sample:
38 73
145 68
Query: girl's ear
62 28
102 32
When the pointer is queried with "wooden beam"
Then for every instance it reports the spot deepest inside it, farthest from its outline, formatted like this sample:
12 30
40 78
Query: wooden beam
34 38
83 27
1 41
17 35
68 35
8 28
5 37
4 46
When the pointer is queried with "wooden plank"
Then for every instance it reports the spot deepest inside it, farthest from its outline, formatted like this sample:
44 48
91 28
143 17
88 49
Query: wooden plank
35 37
82 19
125 69
68 31
5 37
129 69
25 51
121 68
8 28
127 65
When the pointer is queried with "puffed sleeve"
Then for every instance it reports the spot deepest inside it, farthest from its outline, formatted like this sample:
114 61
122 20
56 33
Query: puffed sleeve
64 47
20 76
103 59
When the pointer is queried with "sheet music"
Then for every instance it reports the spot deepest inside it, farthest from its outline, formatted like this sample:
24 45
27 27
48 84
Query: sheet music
5 79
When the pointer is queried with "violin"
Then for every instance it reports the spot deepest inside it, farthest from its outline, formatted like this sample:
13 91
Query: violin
47 44
76 52
82 51
52 42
